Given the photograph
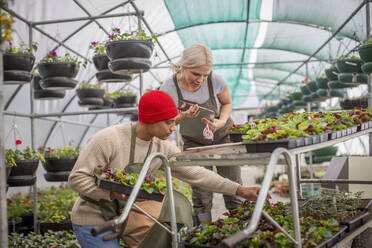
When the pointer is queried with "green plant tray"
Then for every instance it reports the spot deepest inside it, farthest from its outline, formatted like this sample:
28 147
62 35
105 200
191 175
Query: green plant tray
236 136
334 239
125 189
357 222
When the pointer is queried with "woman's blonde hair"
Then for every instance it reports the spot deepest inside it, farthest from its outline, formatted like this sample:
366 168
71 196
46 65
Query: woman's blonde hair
195 55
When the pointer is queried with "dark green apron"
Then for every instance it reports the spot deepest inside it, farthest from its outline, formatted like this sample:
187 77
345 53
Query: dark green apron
157 235
221 135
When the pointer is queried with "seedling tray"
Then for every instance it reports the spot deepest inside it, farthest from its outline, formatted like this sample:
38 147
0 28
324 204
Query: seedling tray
125 189
323 137
316 139
308 141
334 239
332 136
271 145
366 204
355 223
236 136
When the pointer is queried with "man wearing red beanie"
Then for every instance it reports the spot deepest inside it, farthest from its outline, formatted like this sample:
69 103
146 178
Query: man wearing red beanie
113 147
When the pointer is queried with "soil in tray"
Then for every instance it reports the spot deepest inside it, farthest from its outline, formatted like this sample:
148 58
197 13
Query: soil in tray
125 189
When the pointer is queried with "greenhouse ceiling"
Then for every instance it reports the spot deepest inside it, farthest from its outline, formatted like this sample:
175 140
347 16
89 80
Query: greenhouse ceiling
263 48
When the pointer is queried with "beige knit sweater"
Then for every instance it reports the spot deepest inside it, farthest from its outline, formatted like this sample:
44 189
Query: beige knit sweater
111 146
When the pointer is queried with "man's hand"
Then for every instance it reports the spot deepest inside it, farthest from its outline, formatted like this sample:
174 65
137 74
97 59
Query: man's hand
249 193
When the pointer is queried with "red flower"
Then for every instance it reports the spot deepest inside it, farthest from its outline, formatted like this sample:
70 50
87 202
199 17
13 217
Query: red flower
9 200
53 53
52 246
189 185
39 193
18 142
160 177
27 202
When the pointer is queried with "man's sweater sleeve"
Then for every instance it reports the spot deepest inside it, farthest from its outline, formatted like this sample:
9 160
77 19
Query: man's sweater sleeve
81 178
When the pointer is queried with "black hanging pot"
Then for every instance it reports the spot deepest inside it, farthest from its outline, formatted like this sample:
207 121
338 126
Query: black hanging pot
107 76
60 176
338 85
331 73
129 65
58 83
100 61
296 96
305 90
49 94
367 67
336 93
353 78
59 164
18 61
322 83
57 69
17 77
312 86
108 102
349 65
129 48
91 102
24 167
365 52
89 92
125 101
23 173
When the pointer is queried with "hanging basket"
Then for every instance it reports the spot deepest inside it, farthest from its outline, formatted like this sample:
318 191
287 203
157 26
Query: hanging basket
322 83
296 96
23 173
312 86
41 94
125 101
58 83
57 69
109 77
17 77
91 102
332 73
305 90
129 65
100 61
365 52
367 67
18 62
83 93
59 164
338 85
353 78
60 176
349 65
306 98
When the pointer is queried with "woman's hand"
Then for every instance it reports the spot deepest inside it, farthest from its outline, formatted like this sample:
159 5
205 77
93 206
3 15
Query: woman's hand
191 112
250 193
214 124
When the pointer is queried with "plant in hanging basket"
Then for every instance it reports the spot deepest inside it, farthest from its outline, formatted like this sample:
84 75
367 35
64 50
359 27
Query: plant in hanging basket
124 98
129 52
349 63
6 25
18 62
90 95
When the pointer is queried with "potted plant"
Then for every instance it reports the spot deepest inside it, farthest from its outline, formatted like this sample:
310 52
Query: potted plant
18 62
322 82
90 95
57 71
304 89
124 98
24 164
365 51
59 162
45 94
129 52
350 67
100 61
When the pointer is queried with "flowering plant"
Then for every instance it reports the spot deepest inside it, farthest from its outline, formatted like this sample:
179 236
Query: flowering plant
305 81
6 24
134 35
63 152
87 85
12 156
53 57
19 205
22 48
98 47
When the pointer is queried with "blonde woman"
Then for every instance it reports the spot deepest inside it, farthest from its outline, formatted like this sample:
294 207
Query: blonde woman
194 82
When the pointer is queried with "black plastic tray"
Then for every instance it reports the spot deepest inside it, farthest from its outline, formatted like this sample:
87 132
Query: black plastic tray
125 189
334 239
363 126
308 141
332 135
367 206
355 223
236 136
188 245
316 139
271 145
323 137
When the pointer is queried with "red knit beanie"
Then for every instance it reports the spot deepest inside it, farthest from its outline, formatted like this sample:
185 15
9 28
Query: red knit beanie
155 106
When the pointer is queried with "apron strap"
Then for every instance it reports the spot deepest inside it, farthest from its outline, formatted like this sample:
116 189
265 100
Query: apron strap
211 91
133 145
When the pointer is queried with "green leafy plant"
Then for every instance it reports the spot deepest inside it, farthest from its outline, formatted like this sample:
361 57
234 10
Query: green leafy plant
151 184
50 239
23 48
122 92
98 47
87 85
11 156
53 57
62 152
134 35
19 205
